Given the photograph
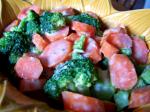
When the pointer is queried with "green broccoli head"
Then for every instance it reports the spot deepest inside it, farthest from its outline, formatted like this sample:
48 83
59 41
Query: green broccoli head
75 75
51 22
18 41
32 27
86 18
29 25
6 44
14 44
32 15
32 24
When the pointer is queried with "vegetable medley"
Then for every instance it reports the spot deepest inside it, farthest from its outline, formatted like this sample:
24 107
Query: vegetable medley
71 58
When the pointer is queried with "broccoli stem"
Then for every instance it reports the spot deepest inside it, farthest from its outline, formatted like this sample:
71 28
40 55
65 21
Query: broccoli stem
78 48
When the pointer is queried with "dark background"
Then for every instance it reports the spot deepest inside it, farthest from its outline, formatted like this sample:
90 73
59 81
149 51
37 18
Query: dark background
130 4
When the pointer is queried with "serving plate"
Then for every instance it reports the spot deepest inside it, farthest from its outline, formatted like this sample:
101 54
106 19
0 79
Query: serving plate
137 21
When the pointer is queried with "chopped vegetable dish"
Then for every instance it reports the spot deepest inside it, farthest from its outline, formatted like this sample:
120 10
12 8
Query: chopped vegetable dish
74 61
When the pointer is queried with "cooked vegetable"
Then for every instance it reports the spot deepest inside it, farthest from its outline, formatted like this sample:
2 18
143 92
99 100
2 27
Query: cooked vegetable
103 90
51 22
140 83
92 50
39 42
86 18
78 48
139 97
28 67
79 103
126 51
60 34
145 76
122 72
56 53
32 25
83 29
108 50
35 50
23 12
72 37
14 44
31 85
118 38
29 25
65 53
140 51
21 27
70 73
121 99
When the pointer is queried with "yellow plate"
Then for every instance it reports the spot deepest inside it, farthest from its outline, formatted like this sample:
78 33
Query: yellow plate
137 21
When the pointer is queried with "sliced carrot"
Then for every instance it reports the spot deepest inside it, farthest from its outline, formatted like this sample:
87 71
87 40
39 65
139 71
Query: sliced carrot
60 34
31 85
56 52
122 72
72 37
78 103
82 28
92 50
118 29
28 67
14 23
39 42
139 97
120 40
118 37
108 50
140 51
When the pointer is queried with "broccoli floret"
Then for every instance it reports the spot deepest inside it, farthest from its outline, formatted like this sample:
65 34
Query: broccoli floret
32 15
21 27
32 27
14 44
75 75
51 22
78 48
18 40
29 25
86 18
6 45
33 24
